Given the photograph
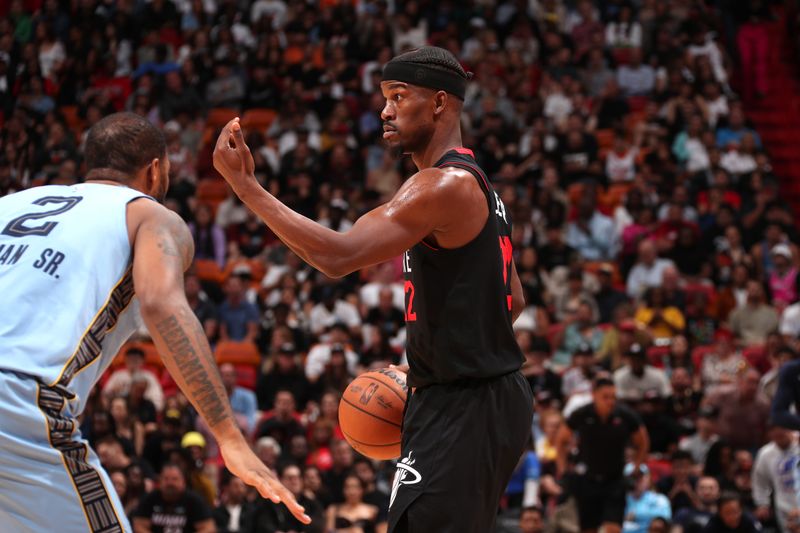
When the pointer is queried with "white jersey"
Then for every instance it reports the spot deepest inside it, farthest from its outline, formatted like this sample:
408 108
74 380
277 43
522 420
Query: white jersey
66 288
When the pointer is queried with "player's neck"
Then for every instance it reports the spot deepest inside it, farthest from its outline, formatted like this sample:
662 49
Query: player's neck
109 176
442 141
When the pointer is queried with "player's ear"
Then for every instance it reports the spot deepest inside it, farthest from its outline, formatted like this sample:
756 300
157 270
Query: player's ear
154 173
439 102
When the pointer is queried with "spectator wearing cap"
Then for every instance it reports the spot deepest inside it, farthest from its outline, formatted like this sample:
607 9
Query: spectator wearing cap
687 392
637 378
238 318
199 476
336 216
535 369
269 451
243 401
603 428
282 372
578 379
775 493
608 297
648 270
643 504
783 280
662 320
173 507
320 354
753 322
120 381
743 413
694 519
331 309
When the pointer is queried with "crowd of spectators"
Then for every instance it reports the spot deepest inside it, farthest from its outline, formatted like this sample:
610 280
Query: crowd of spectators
649 235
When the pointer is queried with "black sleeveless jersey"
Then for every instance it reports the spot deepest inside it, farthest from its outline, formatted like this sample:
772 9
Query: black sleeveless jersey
458 301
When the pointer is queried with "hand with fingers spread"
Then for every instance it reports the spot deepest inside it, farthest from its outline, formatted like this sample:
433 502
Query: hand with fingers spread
245 465
232 157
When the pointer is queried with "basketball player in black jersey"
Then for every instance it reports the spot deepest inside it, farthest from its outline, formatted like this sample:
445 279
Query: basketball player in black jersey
469 418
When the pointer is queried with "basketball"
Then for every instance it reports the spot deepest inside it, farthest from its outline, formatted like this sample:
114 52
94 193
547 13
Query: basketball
371 413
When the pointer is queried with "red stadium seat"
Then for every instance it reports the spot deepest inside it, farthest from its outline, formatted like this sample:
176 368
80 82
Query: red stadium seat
208 270
246 376
658 355
756 356
219 116
699 353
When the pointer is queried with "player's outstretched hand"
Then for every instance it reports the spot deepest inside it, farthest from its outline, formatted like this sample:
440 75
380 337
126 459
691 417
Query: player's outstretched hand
232 157
245 465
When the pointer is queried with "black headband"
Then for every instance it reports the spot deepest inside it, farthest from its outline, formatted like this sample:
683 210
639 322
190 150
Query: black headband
425 76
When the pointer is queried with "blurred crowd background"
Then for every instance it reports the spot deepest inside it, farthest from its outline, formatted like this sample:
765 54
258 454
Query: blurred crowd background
637 145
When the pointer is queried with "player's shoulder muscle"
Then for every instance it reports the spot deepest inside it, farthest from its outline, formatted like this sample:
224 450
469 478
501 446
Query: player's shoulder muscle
151 221
439 189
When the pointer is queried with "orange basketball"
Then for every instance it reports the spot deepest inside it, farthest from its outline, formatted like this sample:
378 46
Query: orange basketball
371 413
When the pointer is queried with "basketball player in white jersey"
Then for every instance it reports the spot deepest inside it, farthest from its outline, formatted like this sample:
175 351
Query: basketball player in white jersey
78 265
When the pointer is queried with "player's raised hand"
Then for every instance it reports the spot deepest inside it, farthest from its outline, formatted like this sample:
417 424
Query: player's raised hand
245 465
232 157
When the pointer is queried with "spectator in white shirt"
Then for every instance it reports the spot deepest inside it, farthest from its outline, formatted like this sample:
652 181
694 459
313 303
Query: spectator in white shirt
320 354
773 477
648 270
636 78
120 381
637 378
331 310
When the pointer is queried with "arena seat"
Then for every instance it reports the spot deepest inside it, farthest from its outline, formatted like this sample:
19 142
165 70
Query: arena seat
208 270
237 353
657 355
212 191
219 116
246 376
756 356
258 119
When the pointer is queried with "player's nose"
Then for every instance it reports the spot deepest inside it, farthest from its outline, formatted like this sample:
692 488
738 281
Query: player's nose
387 113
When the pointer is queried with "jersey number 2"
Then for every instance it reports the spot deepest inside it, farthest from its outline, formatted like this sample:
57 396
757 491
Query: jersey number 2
411 316
17 227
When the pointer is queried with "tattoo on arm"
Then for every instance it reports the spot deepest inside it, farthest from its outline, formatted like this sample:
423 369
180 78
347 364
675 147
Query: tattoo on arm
175 240
199 370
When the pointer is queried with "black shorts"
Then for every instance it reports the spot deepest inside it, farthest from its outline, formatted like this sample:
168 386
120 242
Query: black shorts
598 502
461 443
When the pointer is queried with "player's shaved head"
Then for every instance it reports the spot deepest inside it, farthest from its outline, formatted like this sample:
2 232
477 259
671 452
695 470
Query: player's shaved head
124 142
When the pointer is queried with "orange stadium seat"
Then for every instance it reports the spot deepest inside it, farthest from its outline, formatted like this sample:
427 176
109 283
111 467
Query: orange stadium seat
258 119
208 270
237 353
219 116
212 191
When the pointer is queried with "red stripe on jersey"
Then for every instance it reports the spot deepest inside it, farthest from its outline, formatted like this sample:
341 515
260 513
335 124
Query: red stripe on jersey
465 151
508 298
429 246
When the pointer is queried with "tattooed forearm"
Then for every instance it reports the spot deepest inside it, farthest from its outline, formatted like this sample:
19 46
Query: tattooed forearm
198 370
